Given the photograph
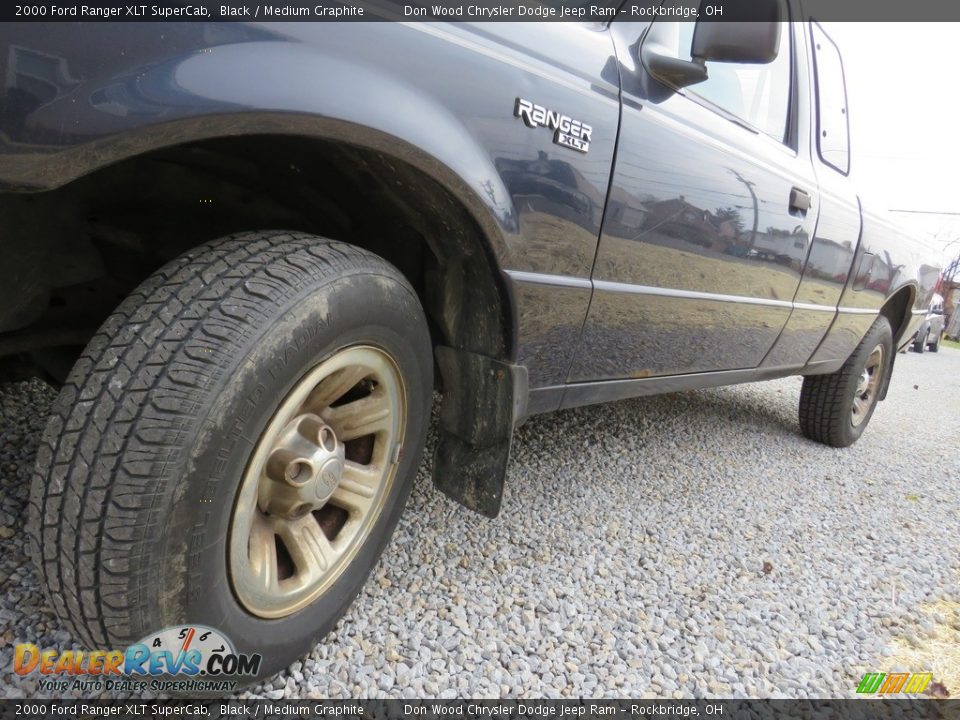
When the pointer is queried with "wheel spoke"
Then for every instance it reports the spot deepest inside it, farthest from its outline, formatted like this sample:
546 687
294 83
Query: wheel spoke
357 487
366 475
309 548
361 417
263 552
335 387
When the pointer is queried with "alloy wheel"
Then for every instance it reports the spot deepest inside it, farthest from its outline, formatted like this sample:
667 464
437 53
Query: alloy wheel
317 481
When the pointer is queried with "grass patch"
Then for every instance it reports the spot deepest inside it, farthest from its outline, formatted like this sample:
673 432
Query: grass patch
950 344
936 650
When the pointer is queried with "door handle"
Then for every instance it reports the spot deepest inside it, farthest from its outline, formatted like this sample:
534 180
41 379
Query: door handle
799 201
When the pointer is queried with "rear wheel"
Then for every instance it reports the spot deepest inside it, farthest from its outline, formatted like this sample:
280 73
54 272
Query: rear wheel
235 446
935 345
835 409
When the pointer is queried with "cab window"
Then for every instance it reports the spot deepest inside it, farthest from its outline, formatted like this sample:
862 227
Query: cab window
757 94
833 134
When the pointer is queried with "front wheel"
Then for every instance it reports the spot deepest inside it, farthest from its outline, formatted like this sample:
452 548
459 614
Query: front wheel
836 408
935 345
235 447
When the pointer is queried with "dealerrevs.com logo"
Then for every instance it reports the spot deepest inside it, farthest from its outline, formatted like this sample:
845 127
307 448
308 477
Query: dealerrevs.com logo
187 658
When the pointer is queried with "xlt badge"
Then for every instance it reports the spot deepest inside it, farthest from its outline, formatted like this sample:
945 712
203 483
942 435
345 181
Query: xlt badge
568 132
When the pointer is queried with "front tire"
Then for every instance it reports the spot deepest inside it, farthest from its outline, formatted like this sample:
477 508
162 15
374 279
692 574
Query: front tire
302 363
935 345
836 408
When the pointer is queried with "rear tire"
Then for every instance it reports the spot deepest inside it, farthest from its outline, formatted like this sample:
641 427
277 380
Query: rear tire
935 345
920 344
836 408
138 477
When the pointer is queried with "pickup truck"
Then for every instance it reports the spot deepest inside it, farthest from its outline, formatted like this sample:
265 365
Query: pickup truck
251 252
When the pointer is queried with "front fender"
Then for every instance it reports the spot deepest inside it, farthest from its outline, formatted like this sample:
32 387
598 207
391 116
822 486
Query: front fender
117 91
438 97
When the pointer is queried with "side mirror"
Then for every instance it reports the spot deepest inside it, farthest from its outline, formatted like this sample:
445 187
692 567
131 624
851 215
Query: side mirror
673 71
749 32
658 54
738 42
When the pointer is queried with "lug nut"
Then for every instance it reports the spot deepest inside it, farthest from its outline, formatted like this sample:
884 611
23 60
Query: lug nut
285 466
298 471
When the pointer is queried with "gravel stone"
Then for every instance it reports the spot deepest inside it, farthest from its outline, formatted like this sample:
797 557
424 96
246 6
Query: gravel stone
629 556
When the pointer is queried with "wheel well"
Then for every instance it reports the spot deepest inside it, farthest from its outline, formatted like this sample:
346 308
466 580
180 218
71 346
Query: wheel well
897 311
76 251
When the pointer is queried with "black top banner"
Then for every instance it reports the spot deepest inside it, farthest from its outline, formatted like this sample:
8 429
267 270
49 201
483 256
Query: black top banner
466 11
486 709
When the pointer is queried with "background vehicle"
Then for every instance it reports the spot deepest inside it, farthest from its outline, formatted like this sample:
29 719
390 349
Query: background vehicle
236 441
931 329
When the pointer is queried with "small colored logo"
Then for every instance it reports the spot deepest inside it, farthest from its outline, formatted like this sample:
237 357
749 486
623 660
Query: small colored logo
188 657
892 683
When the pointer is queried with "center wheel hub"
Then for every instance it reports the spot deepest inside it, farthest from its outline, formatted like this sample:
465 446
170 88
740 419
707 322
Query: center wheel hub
328 479
304 468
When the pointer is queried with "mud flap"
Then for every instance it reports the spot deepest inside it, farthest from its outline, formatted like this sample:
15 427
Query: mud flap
482 400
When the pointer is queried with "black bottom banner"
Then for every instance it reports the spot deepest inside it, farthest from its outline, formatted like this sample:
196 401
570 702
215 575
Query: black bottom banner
483 709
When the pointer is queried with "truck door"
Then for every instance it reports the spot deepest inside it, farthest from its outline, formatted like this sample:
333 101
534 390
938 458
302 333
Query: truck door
709 217
835 251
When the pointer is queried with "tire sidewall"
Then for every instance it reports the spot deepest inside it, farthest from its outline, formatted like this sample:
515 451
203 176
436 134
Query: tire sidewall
362 309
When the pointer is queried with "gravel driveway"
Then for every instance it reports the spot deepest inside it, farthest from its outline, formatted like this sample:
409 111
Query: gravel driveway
689 544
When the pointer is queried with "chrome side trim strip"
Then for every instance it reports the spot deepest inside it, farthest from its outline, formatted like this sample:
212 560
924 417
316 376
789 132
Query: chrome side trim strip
620 287
818 308
687 294
859 311
545 279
